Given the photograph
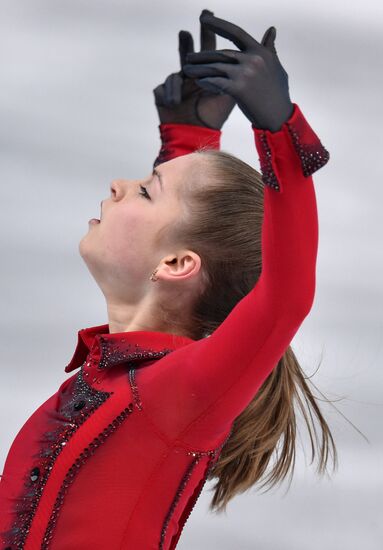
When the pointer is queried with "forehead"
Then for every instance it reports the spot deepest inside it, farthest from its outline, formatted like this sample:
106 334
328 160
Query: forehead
179 164
178 172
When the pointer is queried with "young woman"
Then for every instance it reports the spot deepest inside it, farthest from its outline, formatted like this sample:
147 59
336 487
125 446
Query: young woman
208 270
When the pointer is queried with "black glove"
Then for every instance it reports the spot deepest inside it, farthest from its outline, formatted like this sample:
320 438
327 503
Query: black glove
254 76
180 100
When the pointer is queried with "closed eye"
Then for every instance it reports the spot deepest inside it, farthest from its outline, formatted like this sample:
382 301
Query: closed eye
145 193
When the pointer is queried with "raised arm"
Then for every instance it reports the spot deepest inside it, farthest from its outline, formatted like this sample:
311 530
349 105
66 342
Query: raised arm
212 380
190 117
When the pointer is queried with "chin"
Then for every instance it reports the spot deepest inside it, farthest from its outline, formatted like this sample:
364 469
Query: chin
84 248
89 259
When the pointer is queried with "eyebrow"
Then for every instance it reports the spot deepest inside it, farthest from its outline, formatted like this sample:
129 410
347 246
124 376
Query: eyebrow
157 173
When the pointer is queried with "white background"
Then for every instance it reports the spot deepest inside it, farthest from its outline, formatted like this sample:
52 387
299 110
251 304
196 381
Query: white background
77 110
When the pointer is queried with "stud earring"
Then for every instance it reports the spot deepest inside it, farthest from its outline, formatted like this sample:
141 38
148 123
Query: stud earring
153 276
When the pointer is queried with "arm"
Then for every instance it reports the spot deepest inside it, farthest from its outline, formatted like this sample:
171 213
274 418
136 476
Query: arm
182 139
210 382
190 117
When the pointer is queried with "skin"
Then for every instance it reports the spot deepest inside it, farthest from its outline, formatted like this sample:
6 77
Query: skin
121 251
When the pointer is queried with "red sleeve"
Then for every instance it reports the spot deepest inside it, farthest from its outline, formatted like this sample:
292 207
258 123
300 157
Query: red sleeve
197 391
182 139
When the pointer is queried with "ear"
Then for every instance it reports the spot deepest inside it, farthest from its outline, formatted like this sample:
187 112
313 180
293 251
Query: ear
178 267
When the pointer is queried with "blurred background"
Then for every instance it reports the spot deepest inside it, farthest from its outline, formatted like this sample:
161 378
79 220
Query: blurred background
77 110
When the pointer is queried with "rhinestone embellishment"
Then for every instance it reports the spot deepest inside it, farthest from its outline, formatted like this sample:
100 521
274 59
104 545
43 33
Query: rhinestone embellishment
268 175
312 155
116 352
65 422
35 473
133 386
213 457
74 469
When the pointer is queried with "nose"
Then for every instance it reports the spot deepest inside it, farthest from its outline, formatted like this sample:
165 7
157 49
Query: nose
114 187
119 187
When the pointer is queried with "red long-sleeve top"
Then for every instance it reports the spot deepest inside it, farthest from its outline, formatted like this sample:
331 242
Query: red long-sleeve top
118 456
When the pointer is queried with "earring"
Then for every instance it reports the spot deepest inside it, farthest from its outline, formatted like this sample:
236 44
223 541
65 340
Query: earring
153 276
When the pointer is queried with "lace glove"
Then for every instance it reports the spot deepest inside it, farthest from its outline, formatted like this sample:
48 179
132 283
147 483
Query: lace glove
253 76
179 100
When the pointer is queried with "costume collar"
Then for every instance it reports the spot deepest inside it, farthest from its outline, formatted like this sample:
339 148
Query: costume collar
107 350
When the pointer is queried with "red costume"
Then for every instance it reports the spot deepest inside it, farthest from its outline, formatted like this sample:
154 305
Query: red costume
118 456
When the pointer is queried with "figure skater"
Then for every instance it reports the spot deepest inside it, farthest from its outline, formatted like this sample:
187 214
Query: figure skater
208 271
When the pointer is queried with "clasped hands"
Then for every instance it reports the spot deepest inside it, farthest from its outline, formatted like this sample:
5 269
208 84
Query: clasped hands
212 81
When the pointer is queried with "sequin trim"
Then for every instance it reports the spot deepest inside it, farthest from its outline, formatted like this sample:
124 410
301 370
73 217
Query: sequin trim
74 469
134 388
176 499
268 175
116 352
213 457
75 408
312 156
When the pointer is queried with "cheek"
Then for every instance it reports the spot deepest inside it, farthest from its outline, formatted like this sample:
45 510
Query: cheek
126 234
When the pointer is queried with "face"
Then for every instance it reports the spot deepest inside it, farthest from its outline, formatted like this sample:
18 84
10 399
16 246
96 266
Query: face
121 250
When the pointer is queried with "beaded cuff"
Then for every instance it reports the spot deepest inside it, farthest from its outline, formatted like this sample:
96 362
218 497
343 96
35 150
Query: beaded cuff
182 139
312 154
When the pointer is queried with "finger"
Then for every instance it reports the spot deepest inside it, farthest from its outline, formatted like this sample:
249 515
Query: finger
172 86
209 69
269 38
159 94
217 84
207 37
228 30
185 45
228 56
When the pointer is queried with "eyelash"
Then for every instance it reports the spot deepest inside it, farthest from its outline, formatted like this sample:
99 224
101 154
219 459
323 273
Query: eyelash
145 193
